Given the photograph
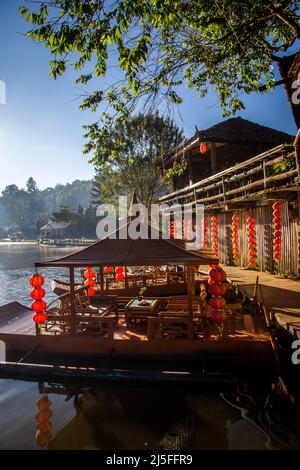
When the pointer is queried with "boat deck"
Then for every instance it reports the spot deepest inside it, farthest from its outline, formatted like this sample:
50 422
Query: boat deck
17 319
281 296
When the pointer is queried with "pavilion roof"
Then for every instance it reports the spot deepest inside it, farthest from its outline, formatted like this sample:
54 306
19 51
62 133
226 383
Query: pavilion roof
114 250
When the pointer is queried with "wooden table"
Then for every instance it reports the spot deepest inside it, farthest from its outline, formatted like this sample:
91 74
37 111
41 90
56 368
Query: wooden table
136 310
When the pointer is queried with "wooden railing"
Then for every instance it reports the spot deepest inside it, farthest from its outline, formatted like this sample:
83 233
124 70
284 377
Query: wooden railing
253 179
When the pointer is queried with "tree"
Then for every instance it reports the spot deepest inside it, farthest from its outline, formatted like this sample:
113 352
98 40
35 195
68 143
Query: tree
162 44
31 186
129 157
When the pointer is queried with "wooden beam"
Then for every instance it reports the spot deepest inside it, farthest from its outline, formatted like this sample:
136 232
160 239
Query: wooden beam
191 293
72 300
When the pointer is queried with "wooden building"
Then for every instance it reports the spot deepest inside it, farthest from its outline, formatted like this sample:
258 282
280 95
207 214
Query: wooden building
243 173
223 145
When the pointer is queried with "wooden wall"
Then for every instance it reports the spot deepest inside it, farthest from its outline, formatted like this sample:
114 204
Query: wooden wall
289 263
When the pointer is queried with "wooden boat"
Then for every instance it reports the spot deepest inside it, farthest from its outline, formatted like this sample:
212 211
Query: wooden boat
176 343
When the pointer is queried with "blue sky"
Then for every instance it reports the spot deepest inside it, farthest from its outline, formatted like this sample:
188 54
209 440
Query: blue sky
40 125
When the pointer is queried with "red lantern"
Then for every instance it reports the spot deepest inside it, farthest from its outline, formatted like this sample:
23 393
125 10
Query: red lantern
203 148
277 248
205 229
277 213
216 316
276 206
38 305
37 280
37 293
40 318
120 277
91 291
89 282
217 275
250 220
277 233
89 274
277 256
277 220
217 303
277 241
107 269
277 227
119 270
216 289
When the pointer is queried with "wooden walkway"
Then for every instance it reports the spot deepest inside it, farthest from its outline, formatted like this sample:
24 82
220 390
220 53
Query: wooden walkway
281 296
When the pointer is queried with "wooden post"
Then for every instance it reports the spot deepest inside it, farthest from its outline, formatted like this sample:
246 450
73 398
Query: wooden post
190 169
72 300
213 157
265 173
101 280
126 280
190 290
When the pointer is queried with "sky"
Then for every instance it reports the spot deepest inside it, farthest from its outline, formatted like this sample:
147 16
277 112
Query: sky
41 131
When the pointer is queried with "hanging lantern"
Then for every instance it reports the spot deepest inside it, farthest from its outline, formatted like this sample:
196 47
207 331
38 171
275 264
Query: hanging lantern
37 280
171 229
214 234
43 425
40 318
90 282
217 303
119 270
277 231
120 277
89 273
203 148
216 289
107 269
205 230
235 237
217 275
37 293
38 305
251 242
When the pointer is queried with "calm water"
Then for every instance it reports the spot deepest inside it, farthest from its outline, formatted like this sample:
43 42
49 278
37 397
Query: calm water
115 417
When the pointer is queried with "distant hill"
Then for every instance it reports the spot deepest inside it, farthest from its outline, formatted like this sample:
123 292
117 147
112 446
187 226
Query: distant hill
25 207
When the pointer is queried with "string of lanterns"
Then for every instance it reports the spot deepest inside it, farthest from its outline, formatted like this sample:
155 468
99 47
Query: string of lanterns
235 237
214 234
119 273
217 289
251 242
37 294
89 282
277 229
205 231
171 228
43 426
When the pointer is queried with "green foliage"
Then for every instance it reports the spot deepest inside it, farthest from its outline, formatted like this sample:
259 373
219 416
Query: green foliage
177 170
161 44
285 165
128 157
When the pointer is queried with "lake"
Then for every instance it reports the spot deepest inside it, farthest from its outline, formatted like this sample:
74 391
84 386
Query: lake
112 417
